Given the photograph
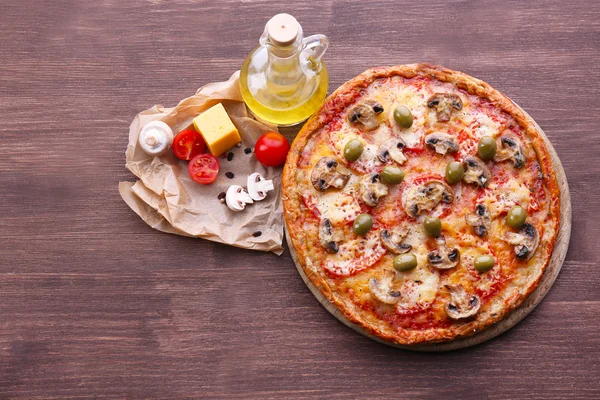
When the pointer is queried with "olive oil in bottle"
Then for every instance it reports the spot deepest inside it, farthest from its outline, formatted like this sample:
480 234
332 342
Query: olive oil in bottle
284 81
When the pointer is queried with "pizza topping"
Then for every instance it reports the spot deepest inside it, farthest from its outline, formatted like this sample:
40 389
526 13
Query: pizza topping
442 143
511 149
525 241
371 189
354 255
480 220
392 175
403 117
443 257
426 197
362 224
433 226
391 150
462 304
444 104
394 241
516 217
484 263
366 114
382 288
328 237
454 172
486 148
326 174
419 290
353 150
476 172
405 262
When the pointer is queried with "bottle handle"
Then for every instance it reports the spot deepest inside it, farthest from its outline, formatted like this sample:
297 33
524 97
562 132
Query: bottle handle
315 47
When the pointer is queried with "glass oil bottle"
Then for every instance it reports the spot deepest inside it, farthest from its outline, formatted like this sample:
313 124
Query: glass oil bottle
284 81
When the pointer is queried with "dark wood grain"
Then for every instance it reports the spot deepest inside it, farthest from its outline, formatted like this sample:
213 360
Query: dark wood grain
95 304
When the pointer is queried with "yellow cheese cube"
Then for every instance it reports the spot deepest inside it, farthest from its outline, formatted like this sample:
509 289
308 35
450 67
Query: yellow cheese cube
217 130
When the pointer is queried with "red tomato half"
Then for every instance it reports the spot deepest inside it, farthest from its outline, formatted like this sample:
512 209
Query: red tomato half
187 144
271 149
204 168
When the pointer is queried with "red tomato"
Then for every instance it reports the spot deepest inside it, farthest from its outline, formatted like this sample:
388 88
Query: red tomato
271 149
204 168
187 144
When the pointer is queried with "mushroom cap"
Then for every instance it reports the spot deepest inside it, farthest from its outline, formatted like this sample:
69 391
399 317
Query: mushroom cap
237 198
480 220
442 143
426 197
371 189
156 138
391 149
259 186
510 149
326 174
526 241
476 172
462 304
444 104
381 288
393 241
443 257
366 113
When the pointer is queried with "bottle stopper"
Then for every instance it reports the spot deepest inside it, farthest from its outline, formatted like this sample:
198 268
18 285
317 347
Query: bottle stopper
283 29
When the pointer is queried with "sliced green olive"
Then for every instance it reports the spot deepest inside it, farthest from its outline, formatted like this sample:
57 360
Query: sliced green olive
433 226
486 149
484 263
516 217
362 224
403 117
353 150
405 262
454 172
392 175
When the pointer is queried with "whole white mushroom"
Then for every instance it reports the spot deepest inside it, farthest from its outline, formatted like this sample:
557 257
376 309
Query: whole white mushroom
156 138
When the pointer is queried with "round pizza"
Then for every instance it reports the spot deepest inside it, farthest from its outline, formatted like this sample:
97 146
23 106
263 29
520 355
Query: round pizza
422 203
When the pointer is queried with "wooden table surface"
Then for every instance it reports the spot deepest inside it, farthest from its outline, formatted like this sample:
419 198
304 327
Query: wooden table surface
95 304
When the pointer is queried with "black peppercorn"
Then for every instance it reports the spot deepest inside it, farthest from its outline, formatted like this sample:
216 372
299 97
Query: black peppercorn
247 150
230 156
229 175
257 234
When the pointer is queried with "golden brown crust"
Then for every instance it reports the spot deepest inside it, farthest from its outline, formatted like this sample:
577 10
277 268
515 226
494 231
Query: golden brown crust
338 101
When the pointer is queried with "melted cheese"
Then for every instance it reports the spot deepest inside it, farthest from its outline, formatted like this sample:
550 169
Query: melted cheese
419 290
500 198
338 207
355 254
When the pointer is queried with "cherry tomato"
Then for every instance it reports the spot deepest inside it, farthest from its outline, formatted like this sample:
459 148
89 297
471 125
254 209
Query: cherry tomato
271 149
187 144
204 168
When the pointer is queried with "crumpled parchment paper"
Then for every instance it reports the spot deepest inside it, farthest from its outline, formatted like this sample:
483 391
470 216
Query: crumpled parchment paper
168 200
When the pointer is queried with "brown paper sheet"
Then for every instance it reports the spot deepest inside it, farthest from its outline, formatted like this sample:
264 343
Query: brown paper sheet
168 200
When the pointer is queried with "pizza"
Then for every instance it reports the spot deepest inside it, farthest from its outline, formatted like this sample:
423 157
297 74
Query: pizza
422 203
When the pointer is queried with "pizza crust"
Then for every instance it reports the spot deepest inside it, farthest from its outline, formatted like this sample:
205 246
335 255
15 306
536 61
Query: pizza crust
338 101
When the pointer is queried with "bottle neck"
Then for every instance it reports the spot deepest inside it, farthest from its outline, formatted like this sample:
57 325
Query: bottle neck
284 73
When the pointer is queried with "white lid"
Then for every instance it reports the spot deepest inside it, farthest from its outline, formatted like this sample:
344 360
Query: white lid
283 29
